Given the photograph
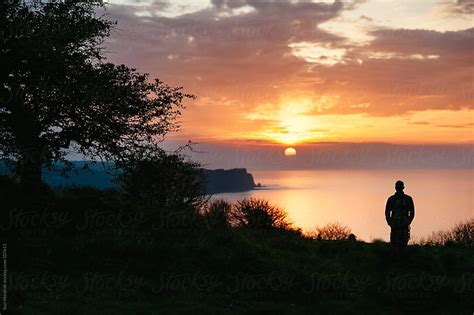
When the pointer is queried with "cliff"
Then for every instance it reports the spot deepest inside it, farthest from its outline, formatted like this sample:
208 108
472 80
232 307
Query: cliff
233 180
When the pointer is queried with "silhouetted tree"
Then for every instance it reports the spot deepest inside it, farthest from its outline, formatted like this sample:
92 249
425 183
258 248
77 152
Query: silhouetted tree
57 92
164 182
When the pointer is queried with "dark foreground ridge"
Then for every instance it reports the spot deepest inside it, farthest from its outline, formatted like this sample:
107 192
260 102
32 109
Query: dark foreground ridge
90 251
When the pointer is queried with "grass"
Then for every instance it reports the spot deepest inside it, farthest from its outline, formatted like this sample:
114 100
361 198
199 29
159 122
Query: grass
106 256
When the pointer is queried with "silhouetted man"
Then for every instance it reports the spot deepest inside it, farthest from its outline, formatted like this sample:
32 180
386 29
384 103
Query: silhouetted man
399 213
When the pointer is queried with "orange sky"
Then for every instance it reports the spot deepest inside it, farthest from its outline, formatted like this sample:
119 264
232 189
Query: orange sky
304 71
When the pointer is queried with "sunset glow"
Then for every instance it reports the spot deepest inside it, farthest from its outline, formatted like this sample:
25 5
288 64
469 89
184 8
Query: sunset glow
237 156
345 71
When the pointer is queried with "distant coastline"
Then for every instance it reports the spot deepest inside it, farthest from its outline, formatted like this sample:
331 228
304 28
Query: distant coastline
217 181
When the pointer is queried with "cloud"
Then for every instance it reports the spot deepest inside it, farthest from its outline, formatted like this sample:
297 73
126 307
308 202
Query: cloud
237 55
260 155
426 42
456 125
419 123
315 53
403 71
462 7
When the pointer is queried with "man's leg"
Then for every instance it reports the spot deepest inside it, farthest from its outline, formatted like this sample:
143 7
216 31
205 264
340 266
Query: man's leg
405 237
395 242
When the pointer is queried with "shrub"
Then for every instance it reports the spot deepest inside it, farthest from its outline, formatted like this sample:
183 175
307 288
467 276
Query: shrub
165 182
258 214
331 232
217 213
461 234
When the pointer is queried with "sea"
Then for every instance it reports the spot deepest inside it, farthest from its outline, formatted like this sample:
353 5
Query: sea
357 198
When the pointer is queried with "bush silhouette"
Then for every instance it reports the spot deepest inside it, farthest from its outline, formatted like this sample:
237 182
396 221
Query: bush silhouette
331 232
217 213
462 234
257 214
164 182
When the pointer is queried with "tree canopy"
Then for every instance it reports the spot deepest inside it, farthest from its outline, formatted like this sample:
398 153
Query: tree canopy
58 92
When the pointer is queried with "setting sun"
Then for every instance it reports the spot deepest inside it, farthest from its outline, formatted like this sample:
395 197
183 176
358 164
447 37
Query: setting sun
290 152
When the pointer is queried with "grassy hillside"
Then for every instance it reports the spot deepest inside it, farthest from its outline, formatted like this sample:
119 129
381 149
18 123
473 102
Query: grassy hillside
91 251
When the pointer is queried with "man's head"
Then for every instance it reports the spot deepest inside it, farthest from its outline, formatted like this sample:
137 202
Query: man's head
399 185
